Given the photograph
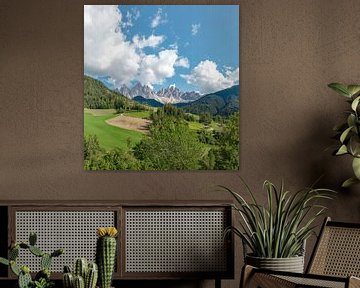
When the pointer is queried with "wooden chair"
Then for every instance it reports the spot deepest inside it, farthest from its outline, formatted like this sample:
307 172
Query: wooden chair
334 263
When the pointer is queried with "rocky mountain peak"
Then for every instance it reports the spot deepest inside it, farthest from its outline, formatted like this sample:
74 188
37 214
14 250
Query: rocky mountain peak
171 94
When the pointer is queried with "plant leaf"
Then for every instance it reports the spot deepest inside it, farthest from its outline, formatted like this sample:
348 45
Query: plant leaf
345 134
342 150
356 167
353 89
354 145
349 182
340 88
351 120
355 103
4 261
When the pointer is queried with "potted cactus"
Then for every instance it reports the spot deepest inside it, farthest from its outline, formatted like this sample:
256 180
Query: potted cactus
85 275
106 254
42 278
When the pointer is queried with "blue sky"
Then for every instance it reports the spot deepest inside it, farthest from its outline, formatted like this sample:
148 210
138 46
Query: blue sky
195 47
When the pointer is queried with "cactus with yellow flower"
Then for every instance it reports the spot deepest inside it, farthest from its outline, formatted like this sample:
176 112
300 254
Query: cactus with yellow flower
106 254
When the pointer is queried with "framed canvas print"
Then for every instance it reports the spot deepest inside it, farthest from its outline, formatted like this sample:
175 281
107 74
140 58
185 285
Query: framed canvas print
161 87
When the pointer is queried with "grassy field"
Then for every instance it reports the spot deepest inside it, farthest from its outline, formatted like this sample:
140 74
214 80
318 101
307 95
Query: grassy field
193 125
138 114
109 136
100 112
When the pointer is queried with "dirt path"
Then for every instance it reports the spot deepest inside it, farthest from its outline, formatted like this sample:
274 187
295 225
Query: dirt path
130 123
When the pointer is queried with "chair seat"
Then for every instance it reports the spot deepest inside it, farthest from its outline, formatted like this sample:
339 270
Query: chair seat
268 279
335 262
314 282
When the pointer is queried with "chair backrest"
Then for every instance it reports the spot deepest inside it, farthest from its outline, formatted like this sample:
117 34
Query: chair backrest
337 251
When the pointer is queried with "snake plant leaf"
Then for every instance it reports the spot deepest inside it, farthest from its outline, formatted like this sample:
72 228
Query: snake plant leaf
340 88
349 182
355 103
342 150
353 89
345 134
356 167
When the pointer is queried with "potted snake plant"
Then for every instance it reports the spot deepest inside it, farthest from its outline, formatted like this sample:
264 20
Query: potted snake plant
274 234
348 133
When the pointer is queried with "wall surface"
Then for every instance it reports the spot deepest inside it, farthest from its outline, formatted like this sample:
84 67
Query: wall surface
290 51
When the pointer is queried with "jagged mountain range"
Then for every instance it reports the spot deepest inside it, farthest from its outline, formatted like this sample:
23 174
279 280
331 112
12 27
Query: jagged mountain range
170 94
224 102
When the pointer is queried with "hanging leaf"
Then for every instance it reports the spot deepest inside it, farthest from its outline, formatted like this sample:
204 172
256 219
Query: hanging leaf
342 150
353 89
345 134
340 88
349 182
355 103
354 145
351 120
356 167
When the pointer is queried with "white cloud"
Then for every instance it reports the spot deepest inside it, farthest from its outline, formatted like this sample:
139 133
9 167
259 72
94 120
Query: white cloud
173 46
152 41
159 18
207 78
131 16
154 69
195 29
182 62
107 52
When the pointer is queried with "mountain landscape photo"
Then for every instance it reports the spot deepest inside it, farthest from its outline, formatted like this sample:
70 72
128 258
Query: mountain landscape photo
161 92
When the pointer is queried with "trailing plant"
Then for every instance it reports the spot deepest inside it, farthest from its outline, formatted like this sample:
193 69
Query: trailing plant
42 278
279 229
85 275
348 132
105 254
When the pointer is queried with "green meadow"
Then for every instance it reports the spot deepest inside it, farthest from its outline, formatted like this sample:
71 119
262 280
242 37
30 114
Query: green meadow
138 114
109 136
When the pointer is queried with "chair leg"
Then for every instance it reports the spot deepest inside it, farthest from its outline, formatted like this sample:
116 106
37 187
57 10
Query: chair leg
217 283
246 273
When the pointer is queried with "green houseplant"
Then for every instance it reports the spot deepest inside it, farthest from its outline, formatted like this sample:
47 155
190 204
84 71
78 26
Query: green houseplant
42 278
276 233
348 132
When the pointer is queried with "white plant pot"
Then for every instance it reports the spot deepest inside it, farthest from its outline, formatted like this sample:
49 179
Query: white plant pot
291 264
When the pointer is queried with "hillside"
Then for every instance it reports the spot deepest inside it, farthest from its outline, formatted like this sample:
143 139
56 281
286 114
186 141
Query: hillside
223 103
149 102
98 96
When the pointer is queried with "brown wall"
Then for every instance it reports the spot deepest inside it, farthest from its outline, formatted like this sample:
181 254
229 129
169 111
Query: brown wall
290 51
